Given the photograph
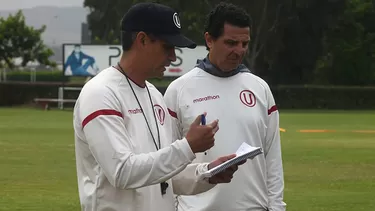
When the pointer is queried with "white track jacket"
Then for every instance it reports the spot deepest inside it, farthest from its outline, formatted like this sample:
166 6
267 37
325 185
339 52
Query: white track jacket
246 110
118 166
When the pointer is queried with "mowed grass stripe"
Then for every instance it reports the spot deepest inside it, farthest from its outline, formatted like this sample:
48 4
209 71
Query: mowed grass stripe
323 171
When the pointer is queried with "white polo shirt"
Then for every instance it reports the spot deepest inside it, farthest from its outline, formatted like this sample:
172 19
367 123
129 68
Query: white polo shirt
246 110
118 166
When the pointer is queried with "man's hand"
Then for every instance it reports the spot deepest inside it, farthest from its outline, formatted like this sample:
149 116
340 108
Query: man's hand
226 175
201 137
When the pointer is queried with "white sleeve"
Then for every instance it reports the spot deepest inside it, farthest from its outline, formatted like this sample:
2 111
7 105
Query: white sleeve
275 175
110 144
189 181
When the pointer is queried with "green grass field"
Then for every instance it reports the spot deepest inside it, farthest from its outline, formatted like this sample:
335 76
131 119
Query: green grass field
332 171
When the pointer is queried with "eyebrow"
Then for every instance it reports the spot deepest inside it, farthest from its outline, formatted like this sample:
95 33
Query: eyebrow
234 40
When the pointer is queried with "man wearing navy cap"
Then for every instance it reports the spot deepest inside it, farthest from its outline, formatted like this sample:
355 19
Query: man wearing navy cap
125 154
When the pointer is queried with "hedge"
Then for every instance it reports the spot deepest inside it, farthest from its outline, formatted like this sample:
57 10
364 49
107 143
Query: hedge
287 97
20 93
47 76
324 97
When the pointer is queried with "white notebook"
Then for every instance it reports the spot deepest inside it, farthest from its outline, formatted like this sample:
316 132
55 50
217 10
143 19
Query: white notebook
244 152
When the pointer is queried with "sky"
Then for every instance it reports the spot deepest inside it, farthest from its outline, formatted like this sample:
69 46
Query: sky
23 4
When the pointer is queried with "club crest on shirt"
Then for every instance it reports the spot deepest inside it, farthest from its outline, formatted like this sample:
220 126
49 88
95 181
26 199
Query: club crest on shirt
160 113
247 97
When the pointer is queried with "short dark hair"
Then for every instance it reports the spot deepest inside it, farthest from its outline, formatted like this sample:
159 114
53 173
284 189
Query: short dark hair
225 13
128 38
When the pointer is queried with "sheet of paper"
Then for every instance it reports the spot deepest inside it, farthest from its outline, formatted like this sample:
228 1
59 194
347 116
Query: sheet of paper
244 148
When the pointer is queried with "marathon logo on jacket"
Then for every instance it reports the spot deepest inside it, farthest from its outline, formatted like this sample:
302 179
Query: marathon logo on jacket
213 97
135 111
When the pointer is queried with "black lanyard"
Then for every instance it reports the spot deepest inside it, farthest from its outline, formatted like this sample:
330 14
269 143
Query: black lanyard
143 112
163 185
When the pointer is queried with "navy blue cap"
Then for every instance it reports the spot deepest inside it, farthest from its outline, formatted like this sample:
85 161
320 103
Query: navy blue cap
157 19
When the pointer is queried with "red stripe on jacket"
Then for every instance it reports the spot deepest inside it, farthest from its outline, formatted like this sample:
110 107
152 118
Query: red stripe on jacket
172 113
272 109
99 113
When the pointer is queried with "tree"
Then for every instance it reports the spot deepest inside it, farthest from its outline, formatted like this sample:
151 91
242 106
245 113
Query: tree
104 20
105 17
17 40
349 47
286 35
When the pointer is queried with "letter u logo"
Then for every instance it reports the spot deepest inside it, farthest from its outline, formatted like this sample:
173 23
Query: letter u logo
247 97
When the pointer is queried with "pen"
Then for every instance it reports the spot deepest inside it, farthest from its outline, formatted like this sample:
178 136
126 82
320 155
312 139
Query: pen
203 119
203 122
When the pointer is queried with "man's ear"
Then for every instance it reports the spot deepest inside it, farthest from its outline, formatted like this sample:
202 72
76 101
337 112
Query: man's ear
209 39
141 38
